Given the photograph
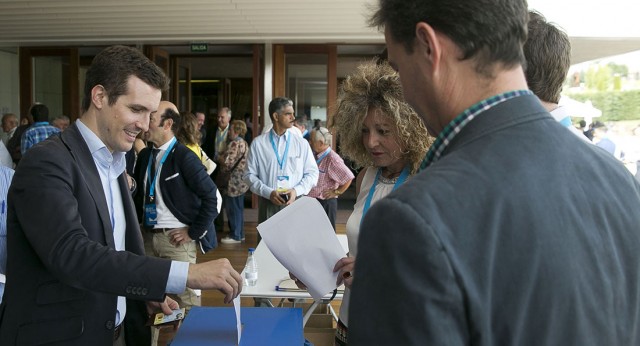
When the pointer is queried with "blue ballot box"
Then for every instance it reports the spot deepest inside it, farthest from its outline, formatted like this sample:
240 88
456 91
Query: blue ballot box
261 326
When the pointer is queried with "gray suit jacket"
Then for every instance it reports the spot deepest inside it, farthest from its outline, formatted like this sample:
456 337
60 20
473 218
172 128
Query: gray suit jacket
521 234
64 274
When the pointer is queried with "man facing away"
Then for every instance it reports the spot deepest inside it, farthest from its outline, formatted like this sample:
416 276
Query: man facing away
548 57
281 166
496 241
40 130
334 176
77 274
602 140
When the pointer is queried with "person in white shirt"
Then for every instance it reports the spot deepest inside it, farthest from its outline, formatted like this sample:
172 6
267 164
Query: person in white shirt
281 166
5 157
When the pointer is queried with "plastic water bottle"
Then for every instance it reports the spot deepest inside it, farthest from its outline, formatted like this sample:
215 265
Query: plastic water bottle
251 269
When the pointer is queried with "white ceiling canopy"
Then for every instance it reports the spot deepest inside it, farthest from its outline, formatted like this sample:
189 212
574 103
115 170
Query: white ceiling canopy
597 29
58 22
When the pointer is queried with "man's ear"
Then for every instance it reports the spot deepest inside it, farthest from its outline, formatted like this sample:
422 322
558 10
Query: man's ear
428 43
99 96
168 123
273 116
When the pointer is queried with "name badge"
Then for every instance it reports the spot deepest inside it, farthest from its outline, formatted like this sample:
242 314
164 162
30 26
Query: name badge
282 185
150 214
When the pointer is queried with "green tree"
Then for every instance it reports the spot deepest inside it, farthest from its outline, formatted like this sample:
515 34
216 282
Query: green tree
598 78
616 69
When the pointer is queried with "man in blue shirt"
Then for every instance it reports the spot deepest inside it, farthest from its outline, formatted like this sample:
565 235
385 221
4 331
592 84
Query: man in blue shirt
40 130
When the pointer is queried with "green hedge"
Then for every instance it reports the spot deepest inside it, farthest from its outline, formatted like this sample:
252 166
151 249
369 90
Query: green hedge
615 105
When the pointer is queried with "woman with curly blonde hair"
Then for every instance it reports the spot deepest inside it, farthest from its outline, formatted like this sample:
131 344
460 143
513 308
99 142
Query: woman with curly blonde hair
383 134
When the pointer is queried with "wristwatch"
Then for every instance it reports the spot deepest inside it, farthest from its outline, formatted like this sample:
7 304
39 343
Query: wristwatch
337 192
133 186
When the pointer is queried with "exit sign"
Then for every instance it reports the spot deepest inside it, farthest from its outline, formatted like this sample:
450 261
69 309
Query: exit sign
199 47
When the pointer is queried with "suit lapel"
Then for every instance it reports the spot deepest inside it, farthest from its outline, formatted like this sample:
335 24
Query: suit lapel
79 150
167 168
133 236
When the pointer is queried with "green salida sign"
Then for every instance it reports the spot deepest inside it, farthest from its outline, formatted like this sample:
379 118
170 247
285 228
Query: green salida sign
199 47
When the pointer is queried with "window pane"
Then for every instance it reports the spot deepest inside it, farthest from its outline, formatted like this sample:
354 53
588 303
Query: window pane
51 83
306 76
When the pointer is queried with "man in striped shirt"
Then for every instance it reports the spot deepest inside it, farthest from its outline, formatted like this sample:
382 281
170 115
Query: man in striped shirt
6 174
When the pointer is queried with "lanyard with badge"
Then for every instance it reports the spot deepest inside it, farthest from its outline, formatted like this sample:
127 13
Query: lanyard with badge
321 157
401 179
282 183
150 211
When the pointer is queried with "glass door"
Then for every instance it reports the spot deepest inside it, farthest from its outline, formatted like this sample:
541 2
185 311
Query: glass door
50 76
307 75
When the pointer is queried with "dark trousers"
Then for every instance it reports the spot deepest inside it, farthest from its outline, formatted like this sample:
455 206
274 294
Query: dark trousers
266 209
235 215
219 220
331 208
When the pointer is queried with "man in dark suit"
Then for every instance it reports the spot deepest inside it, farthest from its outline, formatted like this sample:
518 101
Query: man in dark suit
76 269
177 200
496 241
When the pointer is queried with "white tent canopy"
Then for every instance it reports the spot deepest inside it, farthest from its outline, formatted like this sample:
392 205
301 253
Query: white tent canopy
579 109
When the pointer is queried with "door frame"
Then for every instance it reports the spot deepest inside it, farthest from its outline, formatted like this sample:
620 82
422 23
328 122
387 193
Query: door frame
26 55
279 71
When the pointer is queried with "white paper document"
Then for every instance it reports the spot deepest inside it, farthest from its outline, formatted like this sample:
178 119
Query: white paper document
301 237
236 305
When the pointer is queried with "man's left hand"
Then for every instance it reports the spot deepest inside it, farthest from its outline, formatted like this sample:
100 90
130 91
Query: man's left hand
167 306
292 197
326 194
179 236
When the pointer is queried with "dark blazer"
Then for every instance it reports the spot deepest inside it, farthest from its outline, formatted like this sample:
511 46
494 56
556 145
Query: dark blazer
520 234
15 143
187 191
64 274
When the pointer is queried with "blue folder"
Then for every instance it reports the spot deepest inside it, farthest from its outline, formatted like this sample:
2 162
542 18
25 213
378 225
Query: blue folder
261 326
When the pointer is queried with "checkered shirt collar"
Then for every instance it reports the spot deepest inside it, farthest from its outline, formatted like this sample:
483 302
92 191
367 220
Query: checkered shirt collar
455 126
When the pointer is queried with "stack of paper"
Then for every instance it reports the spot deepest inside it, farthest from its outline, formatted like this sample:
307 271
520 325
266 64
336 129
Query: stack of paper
302 239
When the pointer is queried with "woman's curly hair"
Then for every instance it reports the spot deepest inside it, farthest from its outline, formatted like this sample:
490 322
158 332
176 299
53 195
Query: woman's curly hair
376 85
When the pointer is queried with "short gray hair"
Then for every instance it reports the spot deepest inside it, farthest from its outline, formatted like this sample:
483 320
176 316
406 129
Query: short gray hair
323 135
60 117
228 110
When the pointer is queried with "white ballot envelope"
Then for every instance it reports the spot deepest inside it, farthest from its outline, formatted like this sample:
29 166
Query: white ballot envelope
302 239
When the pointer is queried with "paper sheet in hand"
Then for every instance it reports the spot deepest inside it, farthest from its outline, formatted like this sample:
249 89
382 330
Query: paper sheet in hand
302 239
236 306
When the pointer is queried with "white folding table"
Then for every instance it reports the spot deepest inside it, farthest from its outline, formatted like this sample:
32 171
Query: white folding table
271 273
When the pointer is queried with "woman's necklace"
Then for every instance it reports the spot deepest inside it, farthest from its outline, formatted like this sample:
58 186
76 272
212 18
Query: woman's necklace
398 181
391 177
